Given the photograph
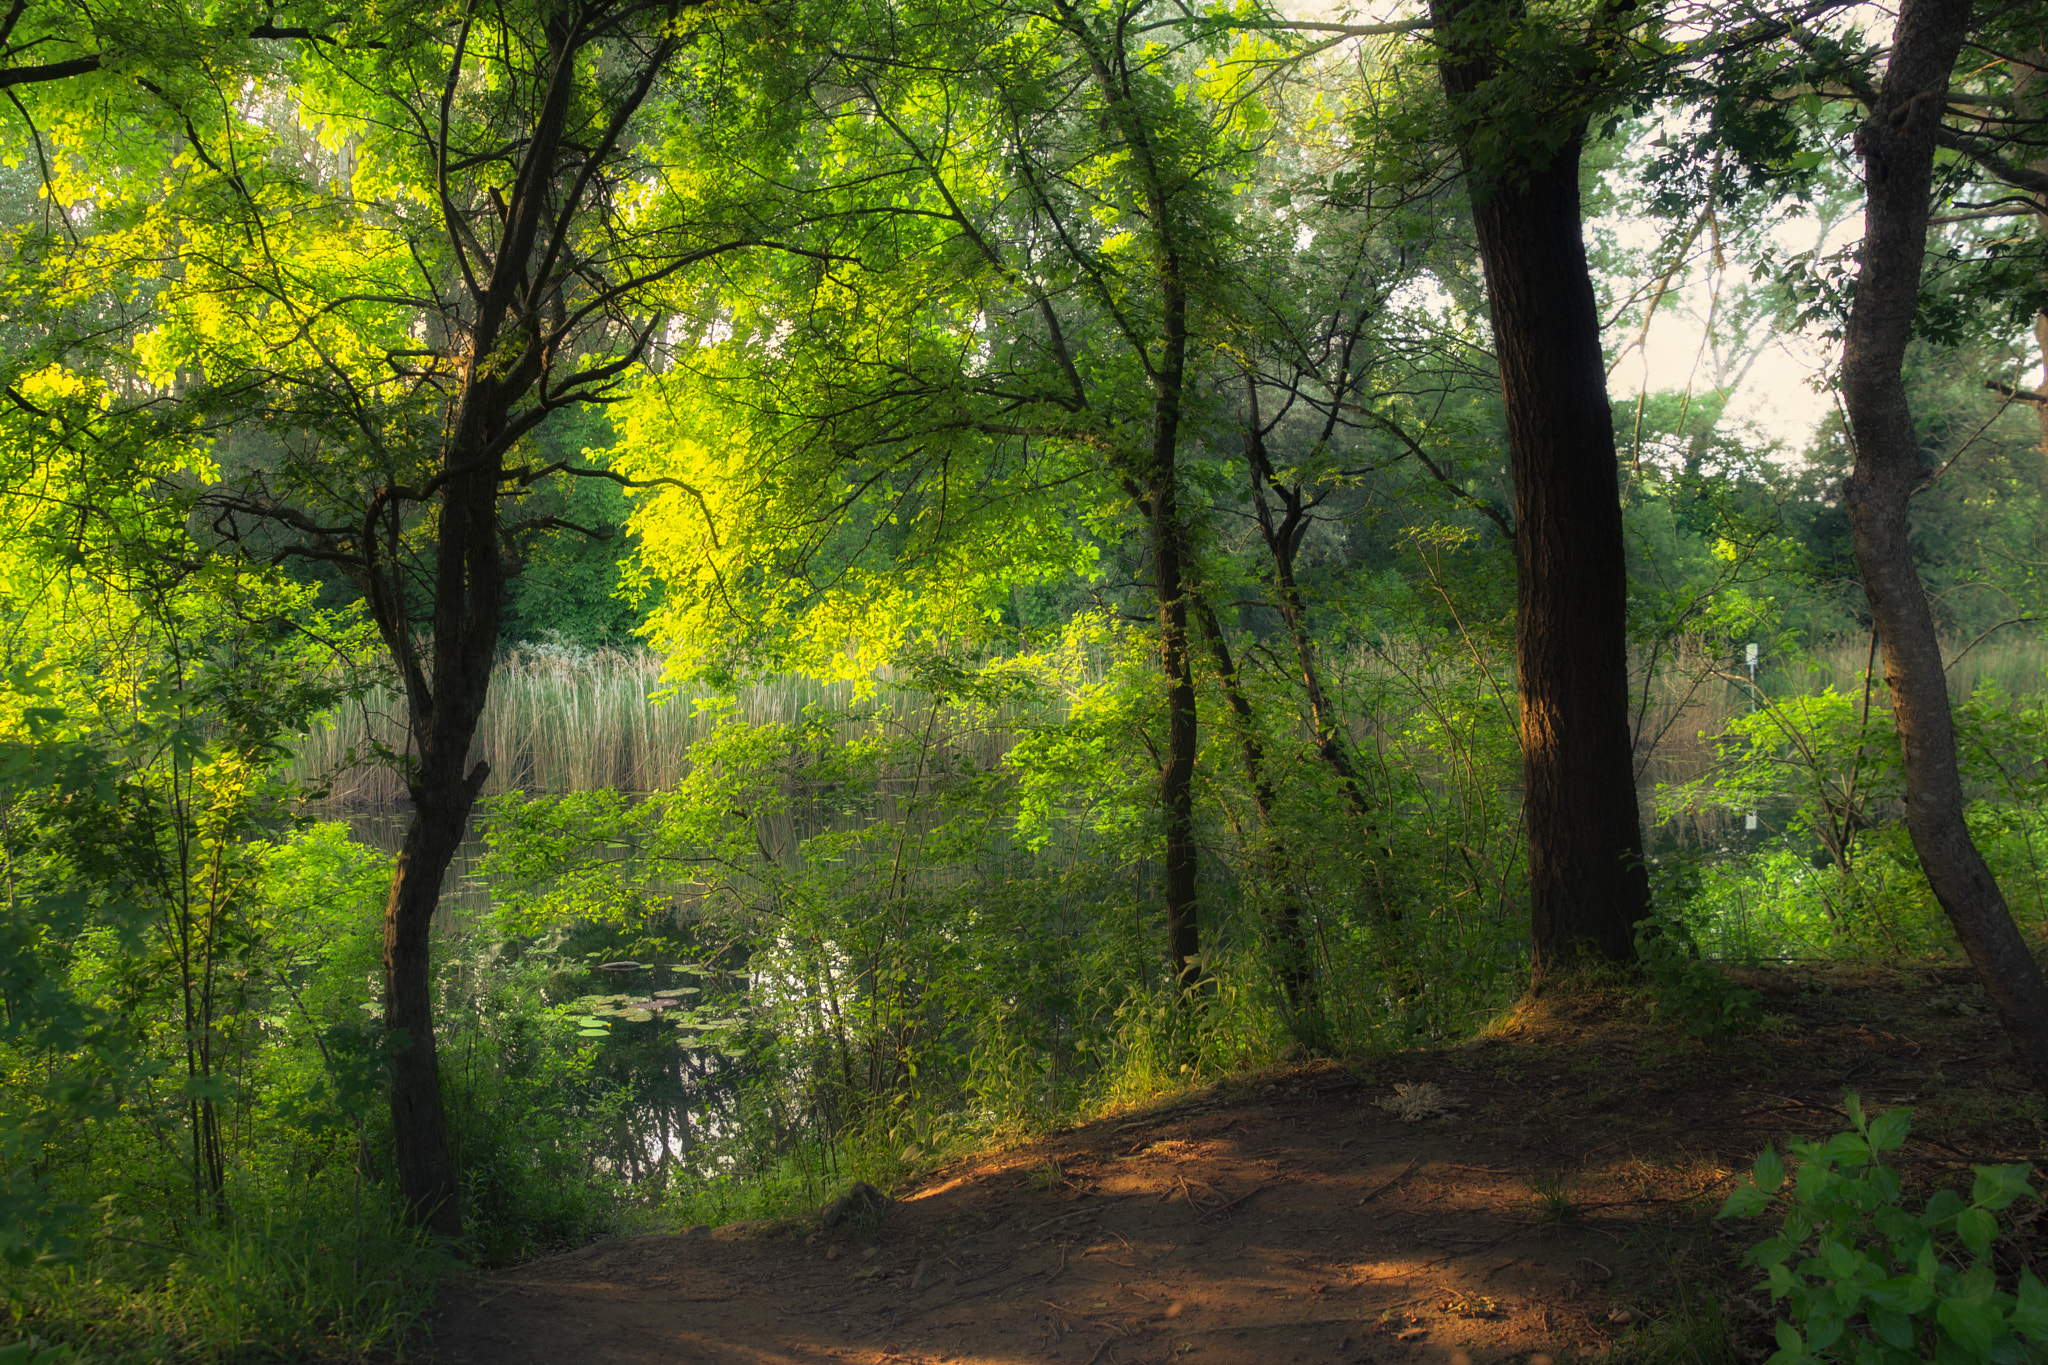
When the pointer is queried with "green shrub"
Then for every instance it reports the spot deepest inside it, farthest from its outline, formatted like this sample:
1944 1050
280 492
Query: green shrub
1868 1282
1689 989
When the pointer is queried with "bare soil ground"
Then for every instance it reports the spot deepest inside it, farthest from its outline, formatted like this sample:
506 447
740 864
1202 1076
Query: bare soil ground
1559 1208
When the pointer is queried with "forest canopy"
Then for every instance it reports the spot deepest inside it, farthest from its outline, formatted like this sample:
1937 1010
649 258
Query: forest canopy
945 562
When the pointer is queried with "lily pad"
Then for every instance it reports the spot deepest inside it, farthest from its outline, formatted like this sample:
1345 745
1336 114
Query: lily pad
636 1016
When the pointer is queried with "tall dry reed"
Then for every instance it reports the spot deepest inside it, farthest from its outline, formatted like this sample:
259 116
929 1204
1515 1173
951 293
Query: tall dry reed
561 720
577 720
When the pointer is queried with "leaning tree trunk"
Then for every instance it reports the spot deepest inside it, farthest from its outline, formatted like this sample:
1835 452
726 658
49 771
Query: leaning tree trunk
1897 145
1588 886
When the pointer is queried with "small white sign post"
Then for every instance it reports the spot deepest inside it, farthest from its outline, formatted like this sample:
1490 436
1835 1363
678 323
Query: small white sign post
1749 657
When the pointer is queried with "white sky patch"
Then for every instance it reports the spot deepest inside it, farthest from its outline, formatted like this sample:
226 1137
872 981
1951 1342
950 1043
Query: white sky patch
1774 381
1422 294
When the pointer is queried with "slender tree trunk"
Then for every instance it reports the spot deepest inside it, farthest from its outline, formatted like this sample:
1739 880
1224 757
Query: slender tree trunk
1177 770
1588 886
427 1176
1289 927
1283 539
1897 145
444 707
468 595
1157 487
1170 571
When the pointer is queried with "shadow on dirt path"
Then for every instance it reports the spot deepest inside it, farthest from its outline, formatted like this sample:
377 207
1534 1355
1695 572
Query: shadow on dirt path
1542 1196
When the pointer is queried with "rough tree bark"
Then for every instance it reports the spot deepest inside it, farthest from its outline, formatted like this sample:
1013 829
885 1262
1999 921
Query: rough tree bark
1897 144
1588 886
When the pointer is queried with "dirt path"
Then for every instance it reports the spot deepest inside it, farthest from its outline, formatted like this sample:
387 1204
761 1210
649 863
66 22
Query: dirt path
1554 1207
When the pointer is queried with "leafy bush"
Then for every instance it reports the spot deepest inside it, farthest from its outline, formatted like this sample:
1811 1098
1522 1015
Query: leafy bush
1868 1282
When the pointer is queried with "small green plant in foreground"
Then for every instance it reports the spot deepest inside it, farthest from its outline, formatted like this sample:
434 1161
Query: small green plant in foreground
1554 1197
1867 1282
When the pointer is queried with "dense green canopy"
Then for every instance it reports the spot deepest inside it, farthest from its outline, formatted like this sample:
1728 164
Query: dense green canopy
1178 448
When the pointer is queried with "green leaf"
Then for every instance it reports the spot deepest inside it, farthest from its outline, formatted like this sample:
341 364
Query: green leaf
1893 1328
1996 1187
2030 1315
1888 1133
1901 1294
1744 1201
1769 1254
1770 1171
1977 1228
1977 1327
1945 1205
1847 1149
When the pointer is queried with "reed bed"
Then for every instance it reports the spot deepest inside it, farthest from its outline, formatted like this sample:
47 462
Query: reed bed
562 720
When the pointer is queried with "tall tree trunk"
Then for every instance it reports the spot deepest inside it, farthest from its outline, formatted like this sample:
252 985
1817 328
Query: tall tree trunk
1289 926
445 705
1588 886
444 710
1897 145
1156 485
1177 770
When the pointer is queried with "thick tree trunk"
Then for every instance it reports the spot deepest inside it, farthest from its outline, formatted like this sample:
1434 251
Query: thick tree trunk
1897 145
1588 886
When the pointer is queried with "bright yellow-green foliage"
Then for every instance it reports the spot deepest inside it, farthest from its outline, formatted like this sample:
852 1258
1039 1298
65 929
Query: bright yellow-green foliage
946 395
